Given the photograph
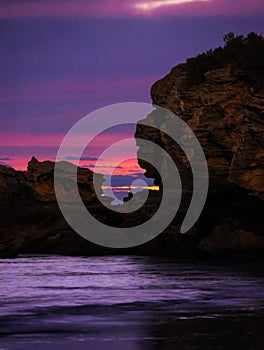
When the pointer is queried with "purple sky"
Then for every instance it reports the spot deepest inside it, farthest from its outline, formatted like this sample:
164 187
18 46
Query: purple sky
61 59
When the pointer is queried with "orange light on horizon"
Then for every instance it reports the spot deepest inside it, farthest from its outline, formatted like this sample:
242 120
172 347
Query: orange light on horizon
125 188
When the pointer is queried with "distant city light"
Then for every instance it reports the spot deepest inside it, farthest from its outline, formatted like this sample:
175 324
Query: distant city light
126 188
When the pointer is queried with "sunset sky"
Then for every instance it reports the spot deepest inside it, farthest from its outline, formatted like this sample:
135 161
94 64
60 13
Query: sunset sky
62 59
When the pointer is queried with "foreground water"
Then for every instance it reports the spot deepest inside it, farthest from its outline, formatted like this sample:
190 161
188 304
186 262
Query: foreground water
98 303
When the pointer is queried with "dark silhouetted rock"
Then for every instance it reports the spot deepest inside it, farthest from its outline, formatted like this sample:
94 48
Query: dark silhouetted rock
226 113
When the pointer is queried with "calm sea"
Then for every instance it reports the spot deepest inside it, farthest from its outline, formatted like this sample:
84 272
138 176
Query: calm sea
139 303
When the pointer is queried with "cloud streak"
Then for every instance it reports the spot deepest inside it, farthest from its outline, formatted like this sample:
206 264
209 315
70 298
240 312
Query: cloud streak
5 164
153 5
102 166
121 8
82 158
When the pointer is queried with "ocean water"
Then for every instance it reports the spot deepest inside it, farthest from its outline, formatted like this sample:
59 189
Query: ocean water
129 302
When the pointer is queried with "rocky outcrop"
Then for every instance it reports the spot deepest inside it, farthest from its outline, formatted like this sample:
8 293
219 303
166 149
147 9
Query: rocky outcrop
226 113
227 117
31 221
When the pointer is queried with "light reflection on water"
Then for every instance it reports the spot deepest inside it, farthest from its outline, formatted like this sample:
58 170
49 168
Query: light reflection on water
119 302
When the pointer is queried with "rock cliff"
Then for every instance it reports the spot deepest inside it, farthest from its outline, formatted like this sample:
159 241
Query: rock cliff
220 95
225 110
31 221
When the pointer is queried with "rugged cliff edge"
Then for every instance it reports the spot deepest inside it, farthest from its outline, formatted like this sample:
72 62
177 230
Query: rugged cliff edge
225 109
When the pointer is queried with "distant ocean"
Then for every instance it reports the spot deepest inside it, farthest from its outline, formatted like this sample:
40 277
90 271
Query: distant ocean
130 303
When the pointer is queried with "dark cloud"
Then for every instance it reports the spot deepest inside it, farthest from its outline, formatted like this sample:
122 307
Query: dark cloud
133 173
5 164
82 158
103 166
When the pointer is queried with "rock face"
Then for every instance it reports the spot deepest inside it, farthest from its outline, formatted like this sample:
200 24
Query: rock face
226 113
31 221
227 117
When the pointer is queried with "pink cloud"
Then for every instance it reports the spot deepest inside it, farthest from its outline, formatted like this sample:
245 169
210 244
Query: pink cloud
112 8
115 166
52 142
29 140
106 167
